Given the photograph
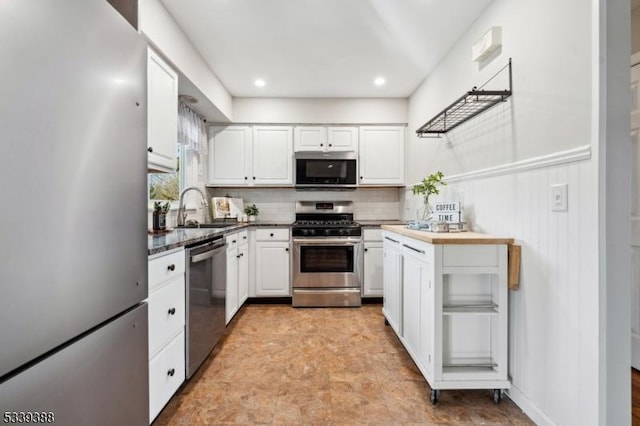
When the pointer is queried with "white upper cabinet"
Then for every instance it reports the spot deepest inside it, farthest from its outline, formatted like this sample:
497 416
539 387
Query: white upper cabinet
162 114
229 155
245 155
272 155
326 139
382 155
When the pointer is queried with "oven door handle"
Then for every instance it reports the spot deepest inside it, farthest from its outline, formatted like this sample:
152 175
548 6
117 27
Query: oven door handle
328 241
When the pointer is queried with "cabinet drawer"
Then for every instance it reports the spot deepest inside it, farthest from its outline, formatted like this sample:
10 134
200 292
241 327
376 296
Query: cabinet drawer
470 255
272 234
166 314
417 248
372 234
243 237
233 240
165 268
166 374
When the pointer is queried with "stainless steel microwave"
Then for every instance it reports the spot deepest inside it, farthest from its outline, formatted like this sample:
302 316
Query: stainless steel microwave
326 170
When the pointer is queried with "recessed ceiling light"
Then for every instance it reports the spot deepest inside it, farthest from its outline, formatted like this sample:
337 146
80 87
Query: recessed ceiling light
379 81
259 82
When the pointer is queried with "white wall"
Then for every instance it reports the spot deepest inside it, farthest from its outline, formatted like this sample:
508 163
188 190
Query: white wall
635 30
530 143
320 110
163 32
550 108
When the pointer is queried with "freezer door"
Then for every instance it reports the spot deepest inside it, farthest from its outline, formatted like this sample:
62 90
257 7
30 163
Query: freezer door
73 236
100 379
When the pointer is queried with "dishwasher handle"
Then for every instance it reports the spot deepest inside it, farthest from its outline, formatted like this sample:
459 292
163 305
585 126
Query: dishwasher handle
206 251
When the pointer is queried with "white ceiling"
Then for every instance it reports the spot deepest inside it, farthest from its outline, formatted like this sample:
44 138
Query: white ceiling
323 48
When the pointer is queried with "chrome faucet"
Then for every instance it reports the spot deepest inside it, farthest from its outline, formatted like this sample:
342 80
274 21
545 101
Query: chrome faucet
182 215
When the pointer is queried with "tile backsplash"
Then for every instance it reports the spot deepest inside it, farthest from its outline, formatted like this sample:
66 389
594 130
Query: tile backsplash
278 204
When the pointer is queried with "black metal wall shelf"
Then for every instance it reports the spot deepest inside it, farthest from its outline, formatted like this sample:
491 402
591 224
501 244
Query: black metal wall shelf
465 108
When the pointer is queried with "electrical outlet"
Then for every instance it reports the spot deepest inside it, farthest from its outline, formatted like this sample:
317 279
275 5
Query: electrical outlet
559 197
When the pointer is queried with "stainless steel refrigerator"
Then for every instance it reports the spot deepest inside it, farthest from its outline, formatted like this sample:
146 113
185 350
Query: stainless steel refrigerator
73 243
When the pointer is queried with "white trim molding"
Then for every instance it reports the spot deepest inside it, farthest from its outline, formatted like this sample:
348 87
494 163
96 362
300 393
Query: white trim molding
562 157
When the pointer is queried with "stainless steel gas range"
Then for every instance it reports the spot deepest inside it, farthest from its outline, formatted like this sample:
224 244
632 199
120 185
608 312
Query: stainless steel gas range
327 255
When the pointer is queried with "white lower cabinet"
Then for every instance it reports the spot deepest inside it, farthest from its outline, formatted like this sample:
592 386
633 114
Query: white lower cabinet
272 277
166 328
372 270
237 273
448 305
392 281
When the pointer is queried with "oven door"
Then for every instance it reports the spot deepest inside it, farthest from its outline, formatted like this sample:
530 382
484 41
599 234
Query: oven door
334 262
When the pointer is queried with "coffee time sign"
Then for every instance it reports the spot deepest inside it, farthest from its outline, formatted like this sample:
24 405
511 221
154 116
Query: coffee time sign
447 211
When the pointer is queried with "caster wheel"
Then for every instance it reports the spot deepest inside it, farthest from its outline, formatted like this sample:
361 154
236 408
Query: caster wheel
433 396
386 322
497 395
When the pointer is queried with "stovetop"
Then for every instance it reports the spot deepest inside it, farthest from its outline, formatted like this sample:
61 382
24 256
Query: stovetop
325 219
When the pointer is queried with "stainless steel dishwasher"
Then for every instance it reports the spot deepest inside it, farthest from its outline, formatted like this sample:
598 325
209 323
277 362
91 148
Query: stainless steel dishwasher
205 300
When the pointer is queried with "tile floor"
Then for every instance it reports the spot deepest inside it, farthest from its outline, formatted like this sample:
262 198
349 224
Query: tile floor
281 365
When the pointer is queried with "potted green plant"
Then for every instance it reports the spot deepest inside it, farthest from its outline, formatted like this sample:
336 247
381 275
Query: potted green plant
426 188
160 215
251 211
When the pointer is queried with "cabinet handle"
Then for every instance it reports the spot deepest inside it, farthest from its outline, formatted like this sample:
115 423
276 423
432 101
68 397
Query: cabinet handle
414 249
150 149
330 144
321 144
360 177
366 249
171 372
286 249
171 267
233 241
254 178
240 255
271 234
244 238
391 239
172 311
246 177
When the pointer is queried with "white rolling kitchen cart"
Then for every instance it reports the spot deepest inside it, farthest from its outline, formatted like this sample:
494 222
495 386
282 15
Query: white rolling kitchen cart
446 296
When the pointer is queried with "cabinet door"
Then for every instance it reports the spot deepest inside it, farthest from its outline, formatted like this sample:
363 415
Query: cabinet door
310 138
272 155
162 113
243 275
381 155
231 299
427 317
373 269
342 138
411 286
272 269
229 155
392 285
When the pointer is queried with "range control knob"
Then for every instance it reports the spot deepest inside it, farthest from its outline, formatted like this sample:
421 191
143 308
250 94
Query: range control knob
340 231
327 232
312 232
305 232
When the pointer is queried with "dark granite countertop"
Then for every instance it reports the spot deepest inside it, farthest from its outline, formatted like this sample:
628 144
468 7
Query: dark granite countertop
186 236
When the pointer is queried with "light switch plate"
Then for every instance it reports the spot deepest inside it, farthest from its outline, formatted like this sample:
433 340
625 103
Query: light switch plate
559 197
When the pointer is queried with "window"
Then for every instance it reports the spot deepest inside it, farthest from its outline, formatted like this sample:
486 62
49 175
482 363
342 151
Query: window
165 186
